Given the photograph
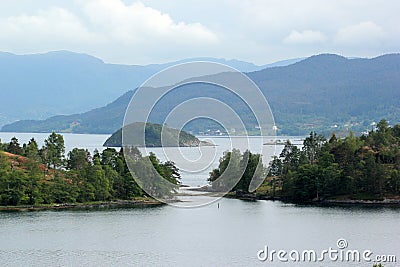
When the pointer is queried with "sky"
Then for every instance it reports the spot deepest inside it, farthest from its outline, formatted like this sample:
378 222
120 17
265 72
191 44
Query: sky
157 31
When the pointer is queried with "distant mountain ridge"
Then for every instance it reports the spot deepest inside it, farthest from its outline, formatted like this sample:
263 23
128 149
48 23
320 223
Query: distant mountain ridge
318 93
38 86
334 90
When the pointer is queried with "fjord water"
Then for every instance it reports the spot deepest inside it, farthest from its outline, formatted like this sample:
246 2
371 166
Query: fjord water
228 235
207 236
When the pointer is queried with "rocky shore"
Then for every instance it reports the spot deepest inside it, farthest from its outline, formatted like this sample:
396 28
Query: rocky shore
95 205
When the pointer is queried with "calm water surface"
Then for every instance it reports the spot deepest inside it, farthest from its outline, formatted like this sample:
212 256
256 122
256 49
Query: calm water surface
206 236
230 235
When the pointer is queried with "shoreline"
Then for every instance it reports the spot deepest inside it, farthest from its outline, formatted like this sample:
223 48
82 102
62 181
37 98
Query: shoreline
383 202
394 202
84 206
386 202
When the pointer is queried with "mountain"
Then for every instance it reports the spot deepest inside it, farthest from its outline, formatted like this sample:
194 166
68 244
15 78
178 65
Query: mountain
41 85
318 93
330 90
133 136
234 63
282 63
38 86
106 119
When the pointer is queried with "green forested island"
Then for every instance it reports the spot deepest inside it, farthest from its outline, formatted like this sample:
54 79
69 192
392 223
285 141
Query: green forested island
337 170
30 175
152 132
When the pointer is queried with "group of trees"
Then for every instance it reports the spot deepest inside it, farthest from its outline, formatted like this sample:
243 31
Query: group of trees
236 171
31 175
366 167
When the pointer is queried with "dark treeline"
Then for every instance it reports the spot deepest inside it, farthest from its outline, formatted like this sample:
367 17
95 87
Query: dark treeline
362 168
33 176
366 167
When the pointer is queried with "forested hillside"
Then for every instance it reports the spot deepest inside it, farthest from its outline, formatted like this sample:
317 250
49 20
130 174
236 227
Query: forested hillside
353 168
30 175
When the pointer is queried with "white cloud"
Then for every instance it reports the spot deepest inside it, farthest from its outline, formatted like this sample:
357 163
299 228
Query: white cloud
305 37
47 27
151 31
364 33
137 23
110 29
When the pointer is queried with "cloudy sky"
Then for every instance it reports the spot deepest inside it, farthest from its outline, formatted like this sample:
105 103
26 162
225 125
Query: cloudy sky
155 31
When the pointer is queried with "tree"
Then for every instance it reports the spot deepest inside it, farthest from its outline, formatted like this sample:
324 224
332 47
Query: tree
396 131
394 182
31 150
63 191
305 183
168 171
171 172
109 157
236 171
14 146
96 154
12 187
290 156
152 177
312 146
329 182
32 166
333 139
54 150
253 169
78 159
275 167
373 174
382 137
4 180
228 173
382 126
100 182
